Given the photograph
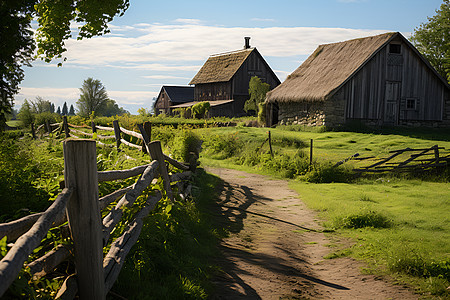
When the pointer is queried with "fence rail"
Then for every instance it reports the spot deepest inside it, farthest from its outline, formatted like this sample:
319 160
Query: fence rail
79 204
406 160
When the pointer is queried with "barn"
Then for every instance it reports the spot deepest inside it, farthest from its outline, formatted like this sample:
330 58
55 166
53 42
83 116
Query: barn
380 80
170 96
224 78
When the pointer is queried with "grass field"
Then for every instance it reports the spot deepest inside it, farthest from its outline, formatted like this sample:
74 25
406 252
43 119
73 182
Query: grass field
399 226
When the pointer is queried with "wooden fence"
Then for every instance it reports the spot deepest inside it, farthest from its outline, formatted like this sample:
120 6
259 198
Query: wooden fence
404 160
118 133
80 206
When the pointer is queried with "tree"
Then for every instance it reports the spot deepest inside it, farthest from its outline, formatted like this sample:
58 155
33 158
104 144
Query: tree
58 111
93 97
432 39
111 108
71 110
64 109
26 113
41 105
257 91
16 49
54 19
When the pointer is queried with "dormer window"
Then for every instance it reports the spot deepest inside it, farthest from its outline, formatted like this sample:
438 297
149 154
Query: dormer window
395 48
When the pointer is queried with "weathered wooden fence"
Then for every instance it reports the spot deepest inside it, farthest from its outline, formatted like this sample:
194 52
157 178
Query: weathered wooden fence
119 134
404 160
79 205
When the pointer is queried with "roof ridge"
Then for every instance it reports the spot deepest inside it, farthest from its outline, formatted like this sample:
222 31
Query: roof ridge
232 52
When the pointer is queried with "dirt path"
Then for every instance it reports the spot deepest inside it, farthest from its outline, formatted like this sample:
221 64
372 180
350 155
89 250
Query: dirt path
275 249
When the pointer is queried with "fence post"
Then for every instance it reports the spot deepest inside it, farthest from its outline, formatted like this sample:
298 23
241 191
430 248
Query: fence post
117 133
66 127
148 129
49 128
33 132
311 153
156 154
94 128
270 144
80 172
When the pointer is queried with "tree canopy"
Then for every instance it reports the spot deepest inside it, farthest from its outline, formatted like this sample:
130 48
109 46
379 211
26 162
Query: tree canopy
257 91
54 19
432 39
93 97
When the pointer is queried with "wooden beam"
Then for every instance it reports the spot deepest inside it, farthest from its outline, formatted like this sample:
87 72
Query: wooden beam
80 173
156 154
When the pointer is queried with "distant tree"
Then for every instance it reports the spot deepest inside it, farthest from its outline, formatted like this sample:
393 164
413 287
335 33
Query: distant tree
93 97
112 109
432 39
54 21
41 105
257 91
143 112
52 108
26 113
58 111
64 111
71 110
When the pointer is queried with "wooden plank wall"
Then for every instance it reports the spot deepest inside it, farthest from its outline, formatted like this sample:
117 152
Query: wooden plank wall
365 92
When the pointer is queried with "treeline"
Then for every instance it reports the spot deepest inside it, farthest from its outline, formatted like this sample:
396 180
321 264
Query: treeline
93 101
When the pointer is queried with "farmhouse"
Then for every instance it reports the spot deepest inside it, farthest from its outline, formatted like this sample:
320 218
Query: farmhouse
172 95
379 80
223 80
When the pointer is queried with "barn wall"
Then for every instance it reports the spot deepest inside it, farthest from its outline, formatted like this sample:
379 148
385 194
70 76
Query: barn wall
365 92
213 91
162 103
254 65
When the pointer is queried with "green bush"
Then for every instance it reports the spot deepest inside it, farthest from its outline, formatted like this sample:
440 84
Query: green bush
42 118
224 146
185 143
366 218
328 173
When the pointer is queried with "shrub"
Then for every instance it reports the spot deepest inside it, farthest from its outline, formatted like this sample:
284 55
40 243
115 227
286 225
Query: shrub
42 118
328 173
184 144
368 218
200 109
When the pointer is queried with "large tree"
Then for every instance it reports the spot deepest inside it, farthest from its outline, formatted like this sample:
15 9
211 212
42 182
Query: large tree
93 98
432 39
17 43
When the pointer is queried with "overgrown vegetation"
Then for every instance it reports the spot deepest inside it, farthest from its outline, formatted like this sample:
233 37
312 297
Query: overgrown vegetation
399 222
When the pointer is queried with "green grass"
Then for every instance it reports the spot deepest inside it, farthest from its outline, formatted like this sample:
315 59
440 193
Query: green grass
399 226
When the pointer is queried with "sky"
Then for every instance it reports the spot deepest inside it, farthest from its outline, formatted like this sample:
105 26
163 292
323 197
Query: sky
158 43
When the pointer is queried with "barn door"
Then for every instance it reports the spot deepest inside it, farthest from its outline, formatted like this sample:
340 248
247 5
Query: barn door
391 103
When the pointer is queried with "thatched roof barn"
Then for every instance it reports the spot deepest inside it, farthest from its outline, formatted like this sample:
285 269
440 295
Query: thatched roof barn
226 76
378 80
171 96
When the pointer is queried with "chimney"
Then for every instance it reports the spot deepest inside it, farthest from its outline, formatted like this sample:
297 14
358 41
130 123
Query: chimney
247 42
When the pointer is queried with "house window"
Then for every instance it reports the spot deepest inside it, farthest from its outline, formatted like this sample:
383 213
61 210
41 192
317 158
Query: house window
395 48
411 103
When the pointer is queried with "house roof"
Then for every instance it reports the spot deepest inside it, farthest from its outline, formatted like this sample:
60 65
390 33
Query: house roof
221 67
179 94
328 68
211 103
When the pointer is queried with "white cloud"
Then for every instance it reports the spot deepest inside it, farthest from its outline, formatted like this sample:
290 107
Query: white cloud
156 45
56 95
189 21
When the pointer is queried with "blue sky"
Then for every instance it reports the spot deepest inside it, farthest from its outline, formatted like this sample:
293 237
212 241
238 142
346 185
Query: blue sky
166 42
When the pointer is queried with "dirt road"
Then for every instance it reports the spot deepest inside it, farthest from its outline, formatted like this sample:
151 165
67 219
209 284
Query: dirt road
275 249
